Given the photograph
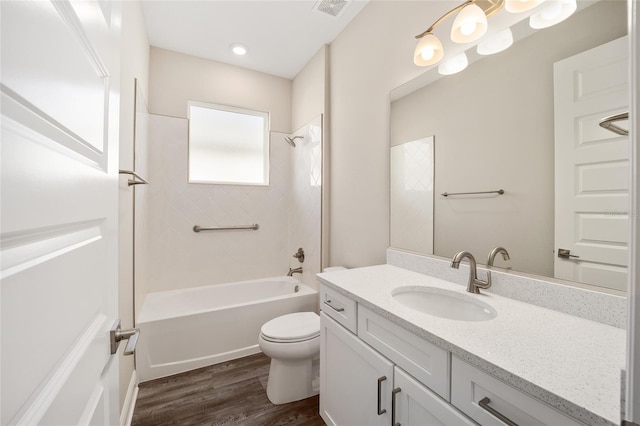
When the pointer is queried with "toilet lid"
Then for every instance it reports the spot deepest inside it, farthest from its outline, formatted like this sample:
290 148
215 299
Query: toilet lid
292 327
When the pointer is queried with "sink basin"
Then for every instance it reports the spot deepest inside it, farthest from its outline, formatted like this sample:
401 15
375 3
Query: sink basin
444 303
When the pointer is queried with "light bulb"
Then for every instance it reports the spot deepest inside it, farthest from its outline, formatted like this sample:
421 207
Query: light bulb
239 49
468 28
470 24
428 51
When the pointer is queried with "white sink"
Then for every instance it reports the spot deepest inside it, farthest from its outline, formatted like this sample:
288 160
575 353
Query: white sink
444 303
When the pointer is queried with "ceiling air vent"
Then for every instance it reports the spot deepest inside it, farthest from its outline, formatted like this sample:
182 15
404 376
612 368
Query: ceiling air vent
330 7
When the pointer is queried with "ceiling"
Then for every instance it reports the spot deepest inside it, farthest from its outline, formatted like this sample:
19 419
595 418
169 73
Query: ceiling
281 36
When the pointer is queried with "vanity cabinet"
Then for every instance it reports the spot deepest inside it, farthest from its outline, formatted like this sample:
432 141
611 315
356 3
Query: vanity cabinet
374 372
487 400
355 381
358 386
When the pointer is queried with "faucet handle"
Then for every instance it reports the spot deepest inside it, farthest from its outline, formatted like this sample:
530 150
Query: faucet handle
299 255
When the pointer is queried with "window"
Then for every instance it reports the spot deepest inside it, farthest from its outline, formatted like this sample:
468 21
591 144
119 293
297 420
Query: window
228 145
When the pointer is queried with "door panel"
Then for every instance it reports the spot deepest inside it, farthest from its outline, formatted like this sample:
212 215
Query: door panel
59 88
592 167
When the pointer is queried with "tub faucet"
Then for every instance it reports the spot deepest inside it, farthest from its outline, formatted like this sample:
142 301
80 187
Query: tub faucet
492 258
294 271
474 284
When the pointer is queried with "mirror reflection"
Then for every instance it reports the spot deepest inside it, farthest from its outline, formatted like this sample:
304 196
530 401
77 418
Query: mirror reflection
411 213
526 121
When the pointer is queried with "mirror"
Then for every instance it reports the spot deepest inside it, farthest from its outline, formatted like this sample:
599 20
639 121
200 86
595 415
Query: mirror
494 123
411 213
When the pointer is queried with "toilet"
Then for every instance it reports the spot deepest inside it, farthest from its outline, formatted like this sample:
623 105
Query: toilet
292 342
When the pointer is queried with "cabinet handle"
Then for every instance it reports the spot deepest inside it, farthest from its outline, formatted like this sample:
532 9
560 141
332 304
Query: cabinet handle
393 406
328 303
484 404
381 410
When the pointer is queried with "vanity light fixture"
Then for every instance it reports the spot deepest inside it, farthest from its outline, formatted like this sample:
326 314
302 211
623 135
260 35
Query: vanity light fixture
555 12
470 24
239 49
496 43
453 65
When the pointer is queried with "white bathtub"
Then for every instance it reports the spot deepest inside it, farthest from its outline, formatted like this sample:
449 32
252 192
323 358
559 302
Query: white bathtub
183 330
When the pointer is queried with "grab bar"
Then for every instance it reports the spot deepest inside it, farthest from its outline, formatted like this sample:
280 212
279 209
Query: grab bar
135 176
607 123
198 228
499 192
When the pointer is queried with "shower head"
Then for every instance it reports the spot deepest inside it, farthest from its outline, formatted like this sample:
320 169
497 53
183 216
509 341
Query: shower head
290 140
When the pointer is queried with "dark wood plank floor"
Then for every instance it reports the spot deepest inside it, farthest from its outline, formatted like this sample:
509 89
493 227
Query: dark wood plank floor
231 393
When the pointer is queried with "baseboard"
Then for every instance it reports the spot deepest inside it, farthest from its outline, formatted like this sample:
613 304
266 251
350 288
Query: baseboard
130 401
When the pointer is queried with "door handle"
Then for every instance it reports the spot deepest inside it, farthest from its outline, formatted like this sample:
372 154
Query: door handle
484 404
117 334
381 410
566 254
328 303
393 406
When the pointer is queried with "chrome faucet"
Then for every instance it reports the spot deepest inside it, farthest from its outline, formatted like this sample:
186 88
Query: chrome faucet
474 284
492 258
494 253
294 271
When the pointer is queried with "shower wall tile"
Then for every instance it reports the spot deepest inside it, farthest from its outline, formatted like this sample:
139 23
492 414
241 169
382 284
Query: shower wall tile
306 190
180 258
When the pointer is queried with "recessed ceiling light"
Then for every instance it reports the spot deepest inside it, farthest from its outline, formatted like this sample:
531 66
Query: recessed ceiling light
239 49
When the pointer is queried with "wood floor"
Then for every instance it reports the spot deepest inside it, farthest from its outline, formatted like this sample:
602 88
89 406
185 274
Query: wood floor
231 393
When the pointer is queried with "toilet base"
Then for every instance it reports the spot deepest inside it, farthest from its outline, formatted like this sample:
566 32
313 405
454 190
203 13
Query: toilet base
292 380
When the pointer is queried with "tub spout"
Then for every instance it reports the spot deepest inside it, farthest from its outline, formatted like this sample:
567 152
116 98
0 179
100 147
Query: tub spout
294 271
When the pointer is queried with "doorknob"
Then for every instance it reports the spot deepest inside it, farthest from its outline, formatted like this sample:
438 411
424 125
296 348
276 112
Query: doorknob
117 334
566 254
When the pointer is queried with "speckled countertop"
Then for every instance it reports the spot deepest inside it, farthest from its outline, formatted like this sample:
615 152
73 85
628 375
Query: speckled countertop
569 363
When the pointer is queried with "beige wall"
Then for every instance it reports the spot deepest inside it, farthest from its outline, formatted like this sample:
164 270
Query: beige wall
491 136
175 78
309 90
134 64
364 67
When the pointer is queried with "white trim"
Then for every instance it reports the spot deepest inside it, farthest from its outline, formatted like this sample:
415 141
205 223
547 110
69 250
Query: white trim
633 330
126 415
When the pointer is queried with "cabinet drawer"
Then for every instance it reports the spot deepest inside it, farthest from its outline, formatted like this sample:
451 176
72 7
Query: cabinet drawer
423 360
469 386
339 307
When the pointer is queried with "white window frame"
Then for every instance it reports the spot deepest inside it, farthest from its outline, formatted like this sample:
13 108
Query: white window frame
237 110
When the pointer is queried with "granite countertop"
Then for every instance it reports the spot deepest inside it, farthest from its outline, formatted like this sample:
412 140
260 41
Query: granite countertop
569 363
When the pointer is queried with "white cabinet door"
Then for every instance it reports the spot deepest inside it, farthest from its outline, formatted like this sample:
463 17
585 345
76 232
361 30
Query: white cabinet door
59 187
353 378
417 406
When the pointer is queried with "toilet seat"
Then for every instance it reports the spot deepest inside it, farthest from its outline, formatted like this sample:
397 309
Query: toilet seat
292 328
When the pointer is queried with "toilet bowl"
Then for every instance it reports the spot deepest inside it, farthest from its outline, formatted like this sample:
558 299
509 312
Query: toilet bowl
292 342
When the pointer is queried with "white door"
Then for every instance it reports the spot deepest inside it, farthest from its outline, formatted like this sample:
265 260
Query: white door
59 125
355 381
592 167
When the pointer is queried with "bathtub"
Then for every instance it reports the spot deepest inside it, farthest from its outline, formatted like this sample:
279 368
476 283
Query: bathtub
182 330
